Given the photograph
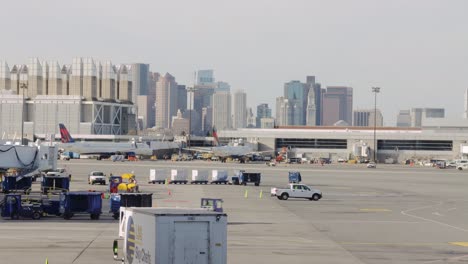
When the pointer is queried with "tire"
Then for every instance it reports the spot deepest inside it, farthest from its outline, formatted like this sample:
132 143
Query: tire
279 197
315 197
67 216
257 184
36 215
460 168
94 216
14 216
284 196
116 216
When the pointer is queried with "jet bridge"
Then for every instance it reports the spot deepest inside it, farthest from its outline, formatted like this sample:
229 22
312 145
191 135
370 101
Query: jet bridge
35 157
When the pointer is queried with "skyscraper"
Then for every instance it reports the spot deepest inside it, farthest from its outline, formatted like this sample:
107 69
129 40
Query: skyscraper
140 79
337 105
314 102
54 79
205 77
5 80
404 118
108 81
297 95
90 79
263 111
222 110
365 118
166 101
240 109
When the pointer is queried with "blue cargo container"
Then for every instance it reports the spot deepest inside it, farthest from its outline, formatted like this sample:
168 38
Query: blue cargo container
129 200
81 202
294 177
55 183
16 183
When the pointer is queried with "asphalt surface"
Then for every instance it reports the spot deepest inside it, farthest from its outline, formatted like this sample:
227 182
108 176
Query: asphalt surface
391 214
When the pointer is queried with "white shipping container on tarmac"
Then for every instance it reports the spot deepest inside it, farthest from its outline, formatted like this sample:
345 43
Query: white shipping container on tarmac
173 235
219 176
199 175
157 176
178 175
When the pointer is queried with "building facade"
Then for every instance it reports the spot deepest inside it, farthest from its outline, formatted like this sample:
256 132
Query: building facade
337 104
166 101
240 109
222 110
365 118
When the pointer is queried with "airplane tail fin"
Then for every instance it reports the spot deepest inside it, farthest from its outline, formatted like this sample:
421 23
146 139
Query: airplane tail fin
215 135
65 135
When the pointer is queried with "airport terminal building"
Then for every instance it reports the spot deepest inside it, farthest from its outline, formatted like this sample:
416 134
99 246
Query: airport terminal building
347 143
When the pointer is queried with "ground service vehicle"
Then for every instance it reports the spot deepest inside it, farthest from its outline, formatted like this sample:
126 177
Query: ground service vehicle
371 165
80 202
97 177
14 208
172 235
199 177
51 184
242 178
297 191
219 177
178 177
118 200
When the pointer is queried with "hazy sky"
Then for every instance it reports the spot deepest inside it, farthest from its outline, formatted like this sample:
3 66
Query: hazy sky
415 50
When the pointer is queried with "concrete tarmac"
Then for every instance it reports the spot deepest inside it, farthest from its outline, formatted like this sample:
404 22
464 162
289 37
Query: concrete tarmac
391 214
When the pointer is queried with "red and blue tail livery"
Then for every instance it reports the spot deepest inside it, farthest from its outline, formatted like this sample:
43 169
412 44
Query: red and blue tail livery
65 135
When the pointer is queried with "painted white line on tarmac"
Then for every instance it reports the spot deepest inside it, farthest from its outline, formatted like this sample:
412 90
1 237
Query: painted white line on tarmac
406 212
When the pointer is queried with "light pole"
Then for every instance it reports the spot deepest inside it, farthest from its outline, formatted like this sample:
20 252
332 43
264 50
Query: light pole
375 90
23 86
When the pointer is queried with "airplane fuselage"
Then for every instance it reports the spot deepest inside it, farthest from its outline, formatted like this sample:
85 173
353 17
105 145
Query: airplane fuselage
107 148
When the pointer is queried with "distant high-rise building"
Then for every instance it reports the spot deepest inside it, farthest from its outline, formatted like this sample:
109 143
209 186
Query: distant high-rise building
166 101
284 111
251 121
365 118
223 87
419 114
240 109
65 76
297 95
151 115
182 98
5 80
140 79
314 102
207 120
337 105
124 83
222 110
205 77
404 118
263 111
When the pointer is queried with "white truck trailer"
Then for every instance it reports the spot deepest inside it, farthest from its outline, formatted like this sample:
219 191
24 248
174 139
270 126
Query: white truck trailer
172 235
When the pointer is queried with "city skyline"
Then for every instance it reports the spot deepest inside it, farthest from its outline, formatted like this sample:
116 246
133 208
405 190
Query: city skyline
400 46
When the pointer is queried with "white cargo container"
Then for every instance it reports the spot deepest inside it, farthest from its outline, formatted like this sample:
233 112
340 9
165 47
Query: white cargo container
178 176
199 176
219 176
157 176
172 235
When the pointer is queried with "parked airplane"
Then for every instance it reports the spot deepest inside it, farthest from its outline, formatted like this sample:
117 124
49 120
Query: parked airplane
238 150
103 149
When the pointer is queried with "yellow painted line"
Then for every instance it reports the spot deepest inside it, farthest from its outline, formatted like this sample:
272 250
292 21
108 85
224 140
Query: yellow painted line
461 244
374 210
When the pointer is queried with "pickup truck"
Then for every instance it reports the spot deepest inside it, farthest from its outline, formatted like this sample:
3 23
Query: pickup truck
297 191
97 177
